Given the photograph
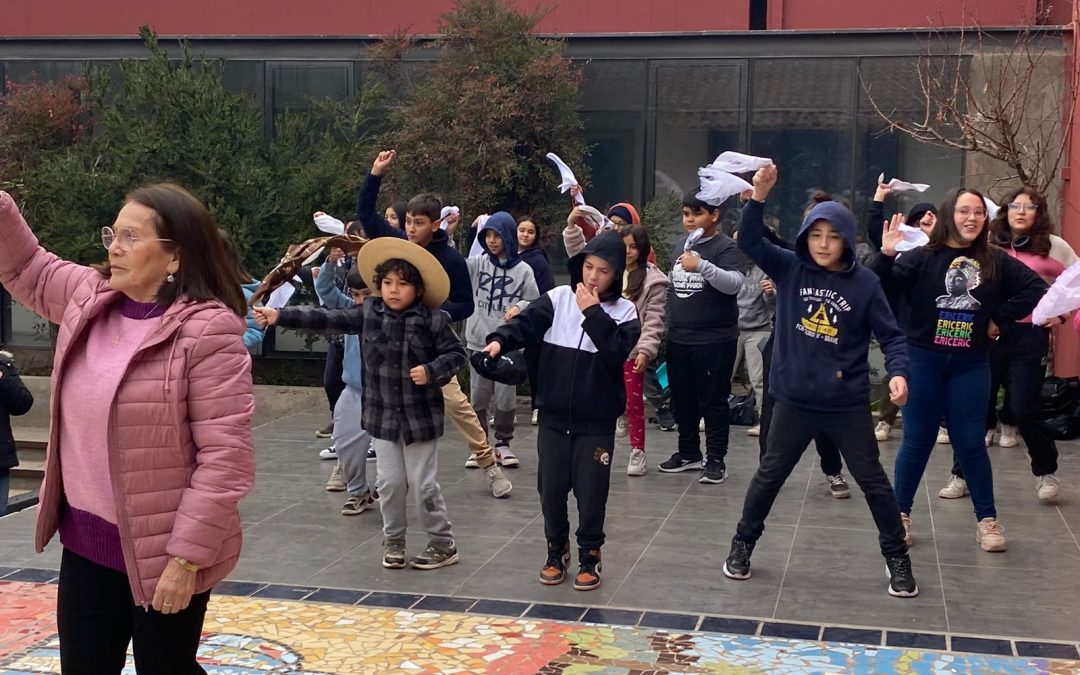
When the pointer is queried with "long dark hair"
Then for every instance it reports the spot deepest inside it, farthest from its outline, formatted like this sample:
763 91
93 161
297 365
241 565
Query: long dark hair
206 270
1038 237
945 228
536 228
635 282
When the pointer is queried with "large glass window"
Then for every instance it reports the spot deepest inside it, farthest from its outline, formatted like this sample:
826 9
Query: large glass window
802 117
43 71
292 85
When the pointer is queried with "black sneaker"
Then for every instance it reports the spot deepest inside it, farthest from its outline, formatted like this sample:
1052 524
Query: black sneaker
393 554
838 487
665 419
370 454
588 575
737 565
678 463
901 580
435 556
558 559
714 473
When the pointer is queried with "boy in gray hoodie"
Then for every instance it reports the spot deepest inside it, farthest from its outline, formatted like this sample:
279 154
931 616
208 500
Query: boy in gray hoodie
502 287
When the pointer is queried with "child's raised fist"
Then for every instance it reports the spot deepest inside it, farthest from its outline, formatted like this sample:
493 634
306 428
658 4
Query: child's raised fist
382 162
764 180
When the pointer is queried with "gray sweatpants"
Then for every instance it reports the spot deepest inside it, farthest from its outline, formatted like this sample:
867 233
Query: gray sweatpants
351 441
482 392
405 474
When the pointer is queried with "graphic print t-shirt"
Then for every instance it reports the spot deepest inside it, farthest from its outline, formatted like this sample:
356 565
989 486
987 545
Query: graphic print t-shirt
697 313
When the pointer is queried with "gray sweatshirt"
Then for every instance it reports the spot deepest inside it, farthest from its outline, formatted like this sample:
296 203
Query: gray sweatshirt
756 307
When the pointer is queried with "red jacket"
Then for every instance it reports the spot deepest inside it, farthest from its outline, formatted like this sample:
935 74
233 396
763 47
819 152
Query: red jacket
181 454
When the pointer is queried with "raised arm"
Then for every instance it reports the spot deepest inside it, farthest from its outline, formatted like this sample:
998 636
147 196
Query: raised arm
348 320
875 215
374 223
772 259
39 280
329 294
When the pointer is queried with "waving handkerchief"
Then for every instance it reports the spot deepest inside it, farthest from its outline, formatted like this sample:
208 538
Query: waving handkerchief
913 238
991 208
1061 298
476 249
595 220
717 185
568 179
897 185
447 211
736 162
328 224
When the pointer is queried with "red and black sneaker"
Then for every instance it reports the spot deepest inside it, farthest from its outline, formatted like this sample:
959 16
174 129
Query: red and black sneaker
554 570
589 567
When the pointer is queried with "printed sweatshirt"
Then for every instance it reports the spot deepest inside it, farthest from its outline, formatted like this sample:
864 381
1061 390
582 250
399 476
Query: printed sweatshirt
701 306
947 302
824 319
580 388
459 306
756 307
498 283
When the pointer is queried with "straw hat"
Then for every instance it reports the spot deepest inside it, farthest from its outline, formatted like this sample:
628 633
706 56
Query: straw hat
378 251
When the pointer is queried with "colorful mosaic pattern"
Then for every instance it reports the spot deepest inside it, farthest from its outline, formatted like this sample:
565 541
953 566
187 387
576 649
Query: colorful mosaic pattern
247 636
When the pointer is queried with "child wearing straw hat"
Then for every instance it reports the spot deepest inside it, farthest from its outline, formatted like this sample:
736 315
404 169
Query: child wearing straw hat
409 353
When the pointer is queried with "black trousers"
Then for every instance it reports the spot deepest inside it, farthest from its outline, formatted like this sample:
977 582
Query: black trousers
578 462
97 617
532 365
853 432
700 380
332 373
1018 363
831 464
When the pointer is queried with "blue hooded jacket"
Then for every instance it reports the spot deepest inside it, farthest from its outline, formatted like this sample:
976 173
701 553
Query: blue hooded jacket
824 319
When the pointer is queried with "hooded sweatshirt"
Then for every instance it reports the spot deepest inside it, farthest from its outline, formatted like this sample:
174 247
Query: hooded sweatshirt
498 282
823 319
537 258
580 388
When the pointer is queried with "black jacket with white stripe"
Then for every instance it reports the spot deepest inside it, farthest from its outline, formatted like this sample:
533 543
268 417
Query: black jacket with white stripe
579 387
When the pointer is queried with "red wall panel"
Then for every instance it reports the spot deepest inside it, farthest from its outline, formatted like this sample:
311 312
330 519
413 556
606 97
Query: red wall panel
353 17
856 14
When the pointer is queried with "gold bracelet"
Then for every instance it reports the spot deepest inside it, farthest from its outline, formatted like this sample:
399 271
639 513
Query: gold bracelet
189 566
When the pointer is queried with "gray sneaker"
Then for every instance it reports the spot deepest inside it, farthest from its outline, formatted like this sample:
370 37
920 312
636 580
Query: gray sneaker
337 480
500 486
393 554
435 556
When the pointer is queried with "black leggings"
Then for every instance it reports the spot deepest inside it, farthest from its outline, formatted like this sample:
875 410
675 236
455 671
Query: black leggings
97 617
335 364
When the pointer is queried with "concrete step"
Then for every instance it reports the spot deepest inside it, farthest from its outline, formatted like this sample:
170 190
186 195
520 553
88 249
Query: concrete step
30 443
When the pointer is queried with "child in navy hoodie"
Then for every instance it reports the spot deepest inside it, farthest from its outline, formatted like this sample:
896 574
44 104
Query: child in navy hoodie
827 306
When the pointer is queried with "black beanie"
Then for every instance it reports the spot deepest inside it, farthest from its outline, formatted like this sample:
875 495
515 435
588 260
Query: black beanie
622 212
916 213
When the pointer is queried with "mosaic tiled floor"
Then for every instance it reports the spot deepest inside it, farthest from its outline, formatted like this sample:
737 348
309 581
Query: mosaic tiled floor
253 635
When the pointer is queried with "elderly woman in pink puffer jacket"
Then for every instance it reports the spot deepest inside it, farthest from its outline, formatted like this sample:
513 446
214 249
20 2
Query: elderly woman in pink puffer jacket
150 442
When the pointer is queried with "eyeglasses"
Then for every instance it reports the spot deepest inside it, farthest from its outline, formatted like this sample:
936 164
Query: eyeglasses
1016 207
965 212
125 238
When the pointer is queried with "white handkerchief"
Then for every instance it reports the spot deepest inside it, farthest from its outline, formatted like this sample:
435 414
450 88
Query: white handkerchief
568 179
598 220
897 185
736 162
717 186
692 239
446 211
1061 298
280 297
991 208
476 249
913 238
329 224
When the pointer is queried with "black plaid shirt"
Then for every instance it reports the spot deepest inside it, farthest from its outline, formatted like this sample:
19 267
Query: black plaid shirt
391 344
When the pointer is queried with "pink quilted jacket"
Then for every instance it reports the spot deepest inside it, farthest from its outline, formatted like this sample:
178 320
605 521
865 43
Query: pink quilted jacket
180 451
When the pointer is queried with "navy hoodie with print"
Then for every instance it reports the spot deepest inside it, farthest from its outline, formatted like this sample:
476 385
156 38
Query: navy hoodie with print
580 387
823 319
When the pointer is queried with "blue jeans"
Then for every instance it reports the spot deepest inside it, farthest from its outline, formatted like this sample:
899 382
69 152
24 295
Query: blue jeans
959 385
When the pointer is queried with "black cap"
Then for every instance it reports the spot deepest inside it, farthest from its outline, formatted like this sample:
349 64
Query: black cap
507 368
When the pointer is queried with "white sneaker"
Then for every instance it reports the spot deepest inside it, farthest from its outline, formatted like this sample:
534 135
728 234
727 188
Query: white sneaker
471 463
636 467
754 431
942 436
337 480
500 486
991 536
989 440
535 417
701 424
506 457
1008 436
328 453
620 427
954 489
882 431
1047 487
